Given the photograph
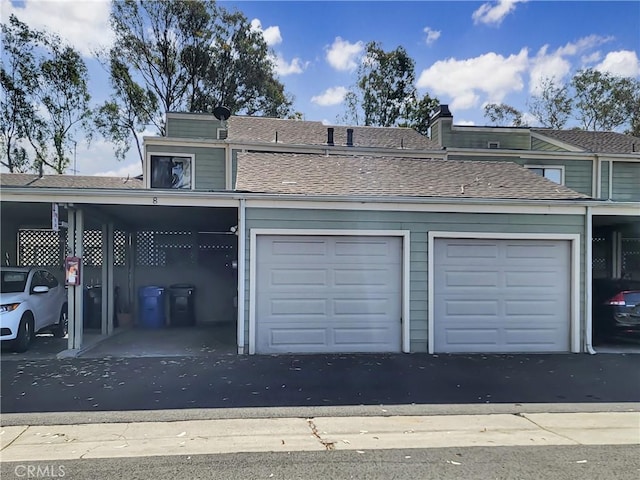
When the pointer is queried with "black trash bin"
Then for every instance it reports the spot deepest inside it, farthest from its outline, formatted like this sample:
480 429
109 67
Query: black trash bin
92 317
182 309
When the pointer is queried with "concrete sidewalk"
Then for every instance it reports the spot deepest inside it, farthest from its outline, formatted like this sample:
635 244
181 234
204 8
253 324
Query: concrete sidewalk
110 440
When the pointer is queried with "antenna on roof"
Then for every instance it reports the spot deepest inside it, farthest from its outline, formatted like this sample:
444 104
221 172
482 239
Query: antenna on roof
222 114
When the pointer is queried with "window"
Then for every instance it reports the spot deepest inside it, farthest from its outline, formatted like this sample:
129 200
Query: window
555 174
52 282
494 145
168 171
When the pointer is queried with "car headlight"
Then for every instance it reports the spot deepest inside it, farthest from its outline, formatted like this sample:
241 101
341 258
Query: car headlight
9 307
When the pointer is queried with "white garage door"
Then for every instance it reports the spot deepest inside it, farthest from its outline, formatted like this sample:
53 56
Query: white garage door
502 295
322 294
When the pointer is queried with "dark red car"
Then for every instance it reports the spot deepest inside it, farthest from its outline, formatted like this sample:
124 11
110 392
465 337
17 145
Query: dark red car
616 310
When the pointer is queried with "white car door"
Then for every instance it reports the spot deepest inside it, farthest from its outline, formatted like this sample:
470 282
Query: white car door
42 304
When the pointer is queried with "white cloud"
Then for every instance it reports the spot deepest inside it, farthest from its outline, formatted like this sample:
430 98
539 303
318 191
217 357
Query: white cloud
465 123
432 35
494 13
547 66
343 55
583 44
557 63
623 63
84 24
591 58
331 96
284 68
131 168
490 74
271 34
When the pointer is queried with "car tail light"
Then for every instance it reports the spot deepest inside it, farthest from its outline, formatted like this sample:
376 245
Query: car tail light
618 300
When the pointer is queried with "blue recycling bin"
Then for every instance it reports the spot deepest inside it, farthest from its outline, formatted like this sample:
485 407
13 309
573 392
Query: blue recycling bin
151 309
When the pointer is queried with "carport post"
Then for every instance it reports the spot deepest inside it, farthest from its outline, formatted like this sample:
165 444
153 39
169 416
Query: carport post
75 297
107 279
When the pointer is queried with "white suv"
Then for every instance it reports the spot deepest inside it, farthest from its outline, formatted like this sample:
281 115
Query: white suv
31 301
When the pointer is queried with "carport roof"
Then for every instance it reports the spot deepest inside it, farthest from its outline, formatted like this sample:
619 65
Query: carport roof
68 181
393 176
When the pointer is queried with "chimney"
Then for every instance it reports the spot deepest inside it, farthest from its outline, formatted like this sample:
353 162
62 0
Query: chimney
330 136
441 125
349 137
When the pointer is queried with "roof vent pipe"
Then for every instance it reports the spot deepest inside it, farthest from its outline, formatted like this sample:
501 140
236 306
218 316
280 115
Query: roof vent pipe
349 137
330 136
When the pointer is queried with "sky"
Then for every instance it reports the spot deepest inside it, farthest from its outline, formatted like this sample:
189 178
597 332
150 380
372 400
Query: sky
466 53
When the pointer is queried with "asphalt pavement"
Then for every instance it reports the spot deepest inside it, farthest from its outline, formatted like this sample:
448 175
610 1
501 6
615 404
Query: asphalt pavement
239 382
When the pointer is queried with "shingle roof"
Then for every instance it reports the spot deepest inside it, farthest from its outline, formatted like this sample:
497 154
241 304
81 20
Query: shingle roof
68 181
392 176
302 132
597 142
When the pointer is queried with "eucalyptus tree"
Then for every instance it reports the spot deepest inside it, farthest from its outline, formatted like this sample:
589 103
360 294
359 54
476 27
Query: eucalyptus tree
605 102
553 105
186 56
385 93
46 101
503 115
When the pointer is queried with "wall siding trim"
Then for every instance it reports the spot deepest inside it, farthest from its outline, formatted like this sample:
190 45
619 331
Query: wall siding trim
406 267
465 206
575 326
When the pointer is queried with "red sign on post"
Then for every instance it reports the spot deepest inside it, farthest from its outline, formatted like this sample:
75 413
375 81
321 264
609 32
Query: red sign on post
72 270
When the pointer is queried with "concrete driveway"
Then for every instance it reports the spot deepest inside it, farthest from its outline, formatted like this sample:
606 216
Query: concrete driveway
44 346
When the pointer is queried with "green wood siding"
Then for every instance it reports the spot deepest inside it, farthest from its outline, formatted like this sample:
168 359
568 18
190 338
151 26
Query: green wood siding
626 182
541 145
419 224
209 164
480 139
577 173
604 179
193 128
234 167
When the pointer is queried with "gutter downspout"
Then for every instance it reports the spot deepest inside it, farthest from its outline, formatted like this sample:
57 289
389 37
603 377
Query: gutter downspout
589 281
598 176
242 235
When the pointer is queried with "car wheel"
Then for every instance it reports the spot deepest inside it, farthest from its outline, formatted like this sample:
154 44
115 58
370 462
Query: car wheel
25 335
62 327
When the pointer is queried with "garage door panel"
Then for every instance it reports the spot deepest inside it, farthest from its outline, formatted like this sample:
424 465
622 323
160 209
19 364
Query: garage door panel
346 300
298 307
465 251
284 337
532 308
529 338
286 277
361 338
462 338
362 277
299 247
368 250
531 278
516 300
466 278
527 251
471 308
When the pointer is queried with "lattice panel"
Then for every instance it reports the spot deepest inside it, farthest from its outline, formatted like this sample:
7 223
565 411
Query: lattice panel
41 248
92 248
161 249
46 248
601 253
630 250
